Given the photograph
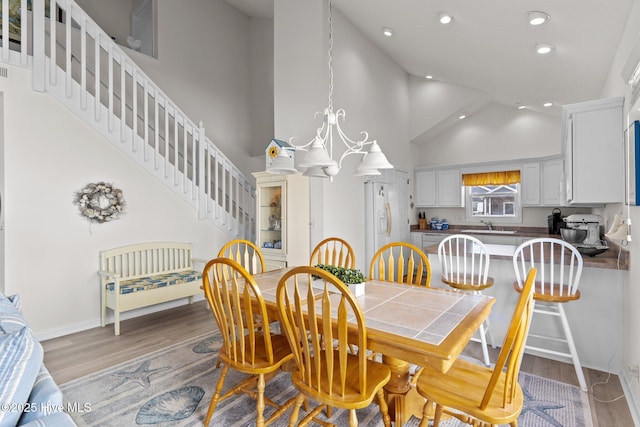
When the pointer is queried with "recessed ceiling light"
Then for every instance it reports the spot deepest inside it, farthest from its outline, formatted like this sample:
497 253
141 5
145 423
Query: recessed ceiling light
537 18
462 116
547 104
521 107
544 48
428 76
445 18
387 31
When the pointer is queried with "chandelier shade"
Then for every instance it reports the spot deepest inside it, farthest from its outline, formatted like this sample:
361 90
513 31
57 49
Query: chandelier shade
362 171
375 158
283 164
316 155
316 172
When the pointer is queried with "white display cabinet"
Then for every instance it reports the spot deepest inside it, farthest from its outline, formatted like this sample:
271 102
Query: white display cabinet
282 213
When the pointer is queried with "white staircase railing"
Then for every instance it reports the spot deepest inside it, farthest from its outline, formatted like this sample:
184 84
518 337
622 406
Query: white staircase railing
76 62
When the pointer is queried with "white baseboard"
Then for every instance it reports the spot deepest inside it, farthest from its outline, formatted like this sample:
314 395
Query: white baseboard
83 326
632 400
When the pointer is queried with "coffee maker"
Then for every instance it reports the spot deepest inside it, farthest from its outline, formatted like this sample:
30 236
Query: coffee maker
555 221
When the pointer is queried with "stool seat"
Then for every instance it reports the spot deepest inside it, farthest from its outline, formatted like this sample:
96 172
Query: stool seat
469 283
539 293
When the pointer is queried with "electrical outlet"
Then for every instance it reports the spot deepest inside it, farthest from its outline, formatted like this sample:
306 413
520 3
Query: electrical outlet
634 371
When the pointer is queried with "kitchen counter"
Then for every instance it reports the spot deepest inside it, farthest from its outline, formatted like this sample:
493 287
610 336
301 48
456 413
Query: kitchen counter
596 318
615 258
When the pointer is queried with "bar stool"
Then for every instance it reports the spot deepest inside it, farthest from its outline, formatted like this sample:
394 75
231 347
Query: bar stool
559 267
464 261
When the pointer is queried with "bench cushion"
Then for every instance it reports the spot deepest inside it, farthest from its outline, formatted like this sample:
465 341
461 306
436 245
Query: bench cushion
156 281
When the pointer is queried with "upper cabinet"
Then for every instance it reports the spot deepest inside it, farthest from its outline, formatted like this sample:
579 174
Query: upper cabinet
594 151
552 193
425 188
438 187
450 188
530 183
542 182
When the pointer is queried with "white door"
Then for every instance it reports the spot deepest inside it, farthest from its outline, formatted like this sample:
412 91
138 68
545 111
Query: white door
398 201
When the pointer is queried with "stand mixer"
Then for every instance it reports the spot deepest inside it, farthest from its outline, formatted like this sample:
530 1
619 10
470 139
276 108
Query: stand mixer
592 244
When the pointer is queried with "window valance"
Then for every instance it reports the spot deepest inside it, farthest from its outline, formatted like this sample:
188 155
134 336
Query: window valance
491 178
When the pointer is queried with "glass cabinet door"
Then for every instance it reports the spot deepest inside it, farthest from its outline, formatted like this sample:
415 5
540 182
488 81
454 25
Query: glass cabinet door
270 225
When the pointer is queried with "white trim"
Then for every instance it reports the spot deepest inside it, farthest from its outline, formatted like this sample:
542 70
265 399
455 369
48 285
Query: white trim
632 402
83 326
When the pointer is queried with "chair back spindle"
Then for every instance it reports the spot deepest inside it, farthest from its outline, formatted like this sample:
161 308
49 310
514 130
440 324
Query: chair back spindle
236 301
464 260
559 266
245 253
312 320
333 251
401 262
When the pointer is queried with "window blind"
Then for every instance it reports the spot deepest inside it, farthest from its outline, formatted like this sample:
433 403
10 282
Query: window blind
491 178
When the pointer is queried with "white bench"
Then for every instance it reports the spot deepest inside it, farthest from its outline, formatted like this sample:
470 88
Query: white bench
144 274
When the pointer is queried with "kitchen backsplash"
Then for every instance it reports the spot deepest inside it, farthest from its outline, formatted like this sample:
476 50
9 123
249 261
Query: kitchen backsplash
531 217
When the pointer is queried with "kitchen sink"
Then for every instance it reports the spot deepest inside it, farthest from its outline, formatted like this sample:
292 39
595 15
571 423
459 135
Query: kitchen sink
485 231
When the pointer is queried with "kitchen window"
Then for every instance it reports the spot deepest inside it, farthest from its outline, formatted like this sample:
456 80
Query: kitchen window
493 196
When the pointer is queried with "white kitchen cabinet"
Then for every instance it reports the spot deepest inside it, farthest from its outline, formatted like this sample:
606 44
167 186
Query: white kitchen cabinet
429 239
438 187
416 239
552 180
449 186
594 151
425 188
282 219
530 184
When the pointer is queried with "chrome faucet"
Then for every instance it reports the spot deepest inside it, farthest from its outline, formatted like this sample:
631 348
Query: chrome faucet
489 224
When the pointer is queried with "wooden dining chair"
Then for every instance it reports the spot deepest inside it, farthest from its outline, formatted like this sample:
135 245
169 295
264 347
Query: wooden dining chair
249 256
559 267
464 263
476 394
245 253
400 262
333 251
235 300
329 374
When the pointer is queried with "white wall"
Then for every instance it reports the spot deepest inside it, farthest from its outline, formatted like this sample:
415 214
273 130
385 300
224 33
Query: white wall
203 64
51 252
371 88
424 94
615 86
496 132
261 68
113 16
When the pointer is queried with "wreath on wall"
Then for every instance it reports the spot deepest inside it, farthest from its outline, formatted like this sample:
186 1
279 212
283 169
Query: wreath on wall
100 202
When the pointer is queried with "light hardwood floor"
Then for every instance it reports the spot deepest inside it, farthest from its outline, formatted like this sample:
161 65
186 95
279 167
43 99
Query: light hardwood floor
79 354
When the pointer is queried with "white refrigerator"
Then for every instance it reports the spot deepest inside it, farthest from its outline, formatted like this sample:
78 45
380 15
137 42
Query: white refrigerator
386 201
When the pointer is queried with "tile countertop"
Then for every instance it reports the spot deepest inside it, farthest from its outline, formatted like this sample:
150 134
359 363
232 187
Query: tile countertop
615 258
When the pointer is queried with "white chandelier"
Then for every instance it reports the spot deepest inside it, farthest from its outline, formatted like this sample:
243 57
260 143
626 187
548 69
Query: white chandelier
318 160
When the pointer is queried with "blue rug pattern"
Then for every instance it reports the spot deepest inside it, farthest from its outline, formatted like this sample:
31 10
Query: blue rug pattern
173 386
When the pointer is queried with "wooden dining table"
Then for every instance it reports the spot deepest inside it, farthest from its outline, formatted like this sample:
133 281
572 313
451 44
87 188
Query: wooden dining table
408 324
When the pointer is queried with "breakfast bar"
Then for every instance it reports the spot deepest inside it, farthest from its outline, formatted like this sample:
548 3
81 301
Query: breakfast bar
595 319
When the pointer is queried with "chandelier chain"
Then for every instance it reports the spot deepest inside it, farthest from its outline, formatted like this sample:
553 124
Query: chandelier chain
330 59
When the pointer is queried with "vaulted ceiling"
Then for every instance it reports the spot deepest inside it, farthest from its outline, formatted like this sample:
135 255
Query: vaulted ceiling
489 47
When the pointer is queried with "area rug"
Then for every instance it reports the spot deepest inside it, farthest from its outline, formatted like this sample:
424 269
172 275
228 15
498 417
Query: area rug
173 386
